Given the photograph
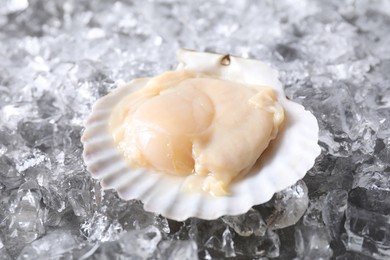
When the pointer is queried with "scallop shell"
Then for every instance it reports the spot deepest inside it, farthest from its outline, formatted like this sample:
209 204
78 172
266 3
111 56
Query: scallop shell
285 161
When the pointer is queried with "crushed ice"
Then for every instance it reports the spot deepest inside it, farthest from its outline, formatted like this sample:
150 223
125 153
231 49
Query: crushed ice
57 57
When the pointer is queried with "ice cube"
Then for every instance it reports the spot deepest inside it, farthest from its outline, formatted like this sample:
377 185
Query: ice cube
101 228
254 246
12 6
3 252
54 245
228 243
81 202
177 250
247 224
335 204
287 206
140 243
312 243
367 222
25 221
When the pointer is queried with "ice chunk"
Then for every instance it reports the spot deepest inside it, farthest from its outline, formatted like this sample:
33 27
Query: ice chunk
135 244
3 252
330 173
313 215
312 243
287 206
254 246
27 160
247 224
131 215
37 134
12 6
26 219
335 204
140 243
382 149
177 250
10 178
101 228
53 199
376 180
55 245
352 255
52 218
81 202
228 243
367 222
373 22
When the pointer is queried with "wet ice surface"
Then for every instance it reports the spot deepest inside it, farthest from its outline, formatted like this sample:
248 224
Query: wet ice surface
58 57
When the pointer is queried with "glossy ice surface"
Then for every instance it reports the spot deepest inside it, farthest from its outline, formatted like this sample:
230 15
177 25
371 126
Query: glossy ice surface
57 57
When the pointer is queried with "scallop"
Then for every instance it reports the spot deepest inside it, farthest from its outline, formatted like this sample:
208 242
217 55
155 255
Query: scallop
214 137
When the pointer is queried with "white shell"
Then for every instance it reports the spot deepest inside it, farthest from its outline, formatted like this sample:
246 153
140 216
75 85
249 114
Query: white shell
286 161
